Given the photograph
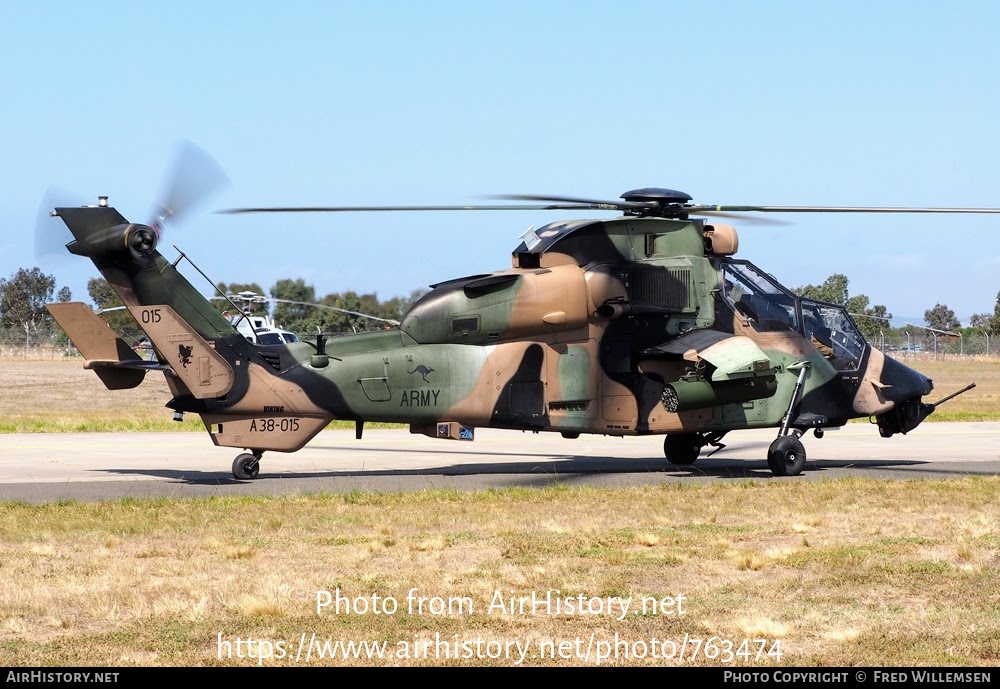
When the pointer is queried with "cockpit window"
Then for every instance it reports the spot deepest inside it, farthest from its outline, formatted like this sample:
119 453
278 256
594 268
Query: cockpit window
758 298
831 331
769 307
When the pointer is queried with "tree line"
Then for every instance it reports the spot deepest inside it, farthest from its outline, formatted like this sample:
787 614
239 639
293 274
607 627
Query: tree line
297 308
304 318
870 319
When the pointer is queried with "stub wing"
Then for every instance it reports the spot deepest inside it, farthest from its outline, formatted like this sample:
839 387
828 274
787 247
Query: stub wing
735 370
731 356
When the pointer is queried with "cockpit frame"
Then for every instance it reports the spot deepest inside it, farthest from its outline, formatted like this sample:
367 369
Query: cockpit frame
770 307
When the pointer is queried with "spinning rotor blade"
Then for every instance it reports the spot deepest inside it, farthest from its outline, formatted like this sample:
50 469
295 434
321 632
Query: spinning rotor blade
719 210
51 236
260 299
196 176
744 218
359 209
633 206
647 202
592 204
334 308
553 203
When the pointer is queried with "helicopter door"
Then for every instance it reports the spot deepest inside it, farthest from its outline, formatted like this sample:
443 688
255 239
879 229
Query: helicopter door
521 400
619 408
571 387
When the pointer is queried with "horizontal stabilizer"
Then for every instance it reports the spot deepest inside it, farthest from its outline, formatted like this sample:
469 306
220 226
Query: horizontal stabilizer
110 357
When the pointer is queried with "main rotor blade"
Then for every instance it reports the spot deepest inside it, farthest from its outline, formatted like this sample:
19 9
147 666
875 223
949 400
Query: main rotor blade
743 218
334 308
361 209
656 208
705 210
595 204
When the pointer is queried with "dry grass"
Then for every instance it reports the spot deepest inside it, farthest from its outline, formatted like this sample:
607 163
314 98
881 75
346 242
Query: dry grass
900 577
59 395
850 572
949 375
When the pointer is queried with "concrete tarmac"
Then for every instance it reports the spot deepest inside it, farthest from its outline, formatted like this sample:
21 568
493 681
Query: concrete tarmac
93 466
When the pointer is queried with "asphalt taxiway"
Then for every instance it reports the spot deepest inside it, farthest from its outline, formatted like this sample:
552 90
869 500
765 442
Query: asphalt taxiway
91 466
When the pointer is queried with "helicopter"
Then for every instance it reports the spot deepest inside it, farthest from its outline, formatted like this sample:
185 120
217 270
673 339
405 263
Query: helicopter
644 323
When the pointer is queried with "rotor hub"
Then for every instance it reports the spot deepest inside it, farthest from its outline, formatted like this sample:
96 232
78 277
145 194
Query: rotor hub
660 202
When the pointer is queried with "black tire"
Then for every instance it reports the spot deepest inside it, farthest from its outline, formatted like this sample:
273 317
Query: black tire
786 456
682 448
246 467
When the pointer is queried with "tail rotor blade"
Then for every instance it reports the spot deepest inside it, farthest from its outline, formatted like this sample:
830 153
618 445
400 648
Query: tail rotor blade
51 235
196 176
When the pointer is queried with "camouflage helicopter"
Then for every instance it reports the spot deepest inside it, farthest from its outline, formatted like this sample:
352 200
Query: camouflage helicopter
640 324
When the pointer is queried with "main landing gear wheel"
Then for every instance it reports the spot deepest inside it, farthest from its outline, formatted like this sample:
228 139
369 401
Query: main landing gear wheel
246 466
786 456
682 448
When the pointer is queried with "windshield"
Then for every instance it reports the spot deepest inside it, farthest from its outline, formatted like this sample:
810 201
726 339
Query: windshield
757 297
769 307
832 332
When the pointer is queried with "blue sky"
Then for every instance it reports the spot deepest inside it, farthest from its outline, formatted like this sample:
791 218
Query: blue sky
313 103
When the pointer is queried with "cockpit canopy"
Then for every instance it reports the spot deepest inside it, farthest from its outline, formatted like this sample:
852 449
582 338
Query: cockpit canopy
757 297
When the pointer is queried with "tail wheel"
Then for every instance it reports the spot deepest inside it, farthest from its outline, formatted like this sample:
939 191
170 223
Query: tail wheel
682 448
786 456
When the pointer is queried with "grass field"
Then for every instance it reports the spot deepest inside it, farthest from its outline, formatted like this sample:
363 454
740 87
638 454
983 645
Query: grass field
834 573
53 396
949 375
824 573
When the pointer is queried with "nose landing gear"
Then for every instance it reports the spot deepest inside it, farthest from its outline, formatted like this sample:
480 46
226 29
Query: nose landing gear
786 456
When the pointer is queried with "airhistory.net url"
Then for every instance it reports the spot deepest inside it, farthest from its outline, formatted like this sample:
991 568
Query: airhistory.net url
591 650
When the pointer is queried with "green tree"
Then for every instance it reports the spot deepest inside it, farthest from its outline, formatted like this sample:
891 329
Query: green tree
833 290
368 304
397 307
329 321
988 323
307 316
983 323
941 318
23 298
870 319
295 317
